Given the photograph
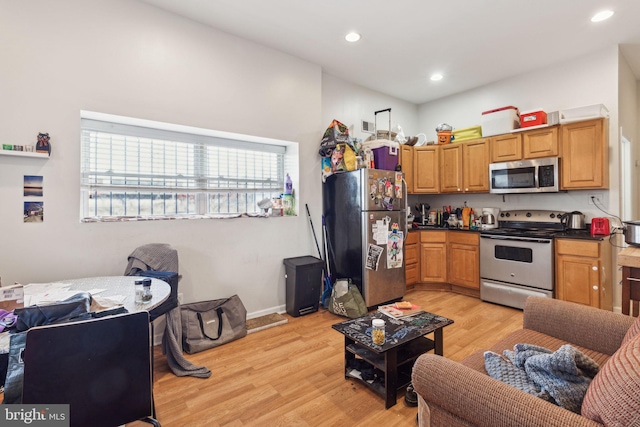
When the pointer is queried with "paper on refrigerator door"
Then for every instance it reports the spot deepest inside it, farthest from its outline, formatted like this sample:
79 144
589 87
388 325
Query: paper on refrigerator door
394 249
380 231
373 257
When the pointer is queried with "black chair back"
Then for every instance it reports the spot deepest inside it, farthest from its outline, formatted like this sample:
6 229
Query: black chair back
102 368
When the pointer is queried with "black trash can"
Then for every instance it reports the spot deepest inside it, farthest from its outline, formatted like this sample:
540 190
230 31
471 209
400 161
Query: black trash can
304 283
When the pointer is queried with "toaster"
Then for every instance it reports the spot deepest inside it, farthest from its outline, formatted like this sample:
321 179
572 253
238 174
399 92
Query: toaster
600 227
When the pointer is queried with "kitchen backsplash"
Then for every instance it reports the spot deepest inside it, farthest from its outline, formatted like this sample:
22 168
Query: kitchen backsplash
567 201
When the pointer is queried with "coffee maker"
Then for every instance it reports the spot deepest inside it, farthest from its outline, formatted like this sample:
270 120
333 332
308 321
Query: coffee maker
489 218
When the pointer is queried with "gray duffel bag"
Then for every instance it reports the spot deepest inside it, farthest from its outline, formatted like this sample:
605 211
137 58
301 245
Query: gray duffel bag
208 324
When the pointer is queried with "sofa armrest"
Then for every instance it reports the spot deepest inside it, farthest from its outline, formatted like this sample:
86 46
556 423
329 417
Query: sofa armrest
483 401
589 327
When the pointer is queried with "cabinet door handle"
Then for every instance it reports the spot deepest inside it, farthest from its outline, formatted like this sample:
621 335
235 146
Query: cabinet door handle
594 268
595 288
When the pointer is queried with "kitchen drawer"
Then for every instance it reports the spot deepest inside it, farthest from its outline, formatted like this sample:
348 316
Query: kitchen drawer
464 237
411 254
433 236
411 274
412 237
577 247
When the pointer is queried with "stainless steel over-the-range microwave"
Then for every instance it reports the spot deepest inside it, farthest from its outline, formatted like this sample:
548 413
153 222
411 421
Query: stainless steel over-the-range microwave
525 176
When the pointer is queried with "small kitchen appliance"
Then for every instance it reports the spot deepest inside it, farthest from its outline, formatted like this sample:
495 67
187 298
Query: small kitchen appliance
489 218
573 220
600 227
525 176
632 233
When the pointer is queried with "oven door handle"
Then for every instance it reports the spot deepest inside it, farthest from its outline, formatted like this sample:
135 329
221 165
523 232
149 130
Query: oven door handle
515 239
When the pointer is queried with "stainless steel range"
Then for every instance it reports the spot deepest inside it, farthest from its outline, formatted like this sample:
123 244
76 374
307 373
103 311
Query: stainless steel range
517 259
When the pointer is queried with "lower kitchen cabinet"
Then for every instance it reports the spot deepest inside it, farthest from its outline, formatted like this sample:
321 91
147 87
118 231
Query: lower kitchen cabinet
412 259
464 259
433 256
583 272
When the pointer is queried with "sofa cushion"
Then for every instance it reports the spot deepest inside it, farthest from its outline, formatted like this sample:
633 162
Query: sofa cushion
633 331
612 398
476 360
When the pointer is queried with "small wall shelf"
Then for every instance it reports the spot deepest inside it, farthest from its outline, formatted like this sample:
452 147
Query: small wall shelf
24 154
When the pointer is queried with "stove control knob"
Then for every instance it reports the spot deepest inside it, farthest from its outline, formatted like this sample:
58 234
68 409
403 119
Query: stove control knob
502 215
508 214
552 215
529 215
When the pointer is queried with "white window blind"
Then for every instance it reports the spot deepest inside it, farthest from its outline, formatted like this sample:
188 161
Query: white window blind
136 172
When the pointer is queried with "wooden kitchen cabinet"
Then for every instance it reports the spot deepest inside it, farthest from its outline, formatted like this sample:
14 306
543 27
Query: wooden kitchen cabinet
433 256
451 168
527 144
412 259
475 164
540 143
583 272
464 167
426 170
464 259
506 148
585 161
406 163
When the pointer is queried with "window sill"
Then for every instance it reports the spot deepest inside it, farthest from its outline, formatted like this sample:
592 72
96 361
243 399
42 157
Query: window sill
175 217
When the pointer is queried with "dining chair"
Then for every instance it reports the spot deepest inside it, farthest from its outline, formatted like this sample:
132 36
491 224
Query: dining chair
101 368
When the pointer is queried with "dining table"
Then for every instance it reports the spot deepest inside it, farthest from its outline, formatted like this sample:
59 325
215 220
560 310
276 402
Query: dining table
106 291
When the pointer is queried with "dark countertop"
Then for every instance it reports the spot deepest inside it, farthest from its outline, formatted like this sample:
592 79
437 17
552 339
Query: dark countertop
435 228
570 234
579 234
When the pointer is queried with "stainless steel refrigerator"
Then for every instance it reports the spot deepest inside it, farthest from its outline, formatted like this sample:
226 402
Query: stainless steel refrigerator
366 224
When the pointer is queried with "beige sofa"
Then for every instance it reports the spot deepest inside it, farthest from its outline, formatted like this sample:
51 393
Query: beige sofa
462 394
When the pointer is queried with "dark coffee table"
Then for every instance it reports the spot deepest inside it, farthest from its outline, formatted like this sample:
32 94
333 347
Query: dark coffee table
404 342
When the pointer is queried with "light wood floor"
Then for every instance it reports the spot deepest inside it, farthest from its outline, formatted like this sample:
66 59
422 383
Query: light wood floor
292 375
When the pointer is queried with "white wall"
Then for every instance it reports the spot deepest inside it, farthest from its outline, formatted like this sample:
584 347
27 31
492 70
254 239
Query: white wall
131 59
628 122
350 103
588 80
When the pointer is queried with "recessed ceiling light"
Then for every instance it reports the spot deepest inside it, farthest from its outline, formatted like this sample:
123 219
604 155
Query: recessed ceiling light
436 77
352 37
601 16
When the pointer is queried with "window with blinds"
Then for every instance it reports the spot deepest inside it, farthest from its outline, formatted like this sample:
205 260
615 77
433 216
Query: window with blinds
139 172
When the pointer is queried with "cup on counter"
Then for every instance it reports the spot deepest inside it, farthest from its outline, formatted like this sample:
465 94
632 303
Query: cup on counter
18 148
29 148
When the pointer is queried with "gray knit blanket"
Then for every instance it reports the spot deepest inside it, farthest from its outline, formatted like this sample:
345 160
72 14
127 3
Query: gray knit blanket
561 377
152 256
172 348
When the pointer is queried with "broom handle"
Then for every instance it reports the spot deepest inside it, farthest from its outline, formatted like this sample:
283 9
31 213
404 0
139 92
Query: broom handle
314 231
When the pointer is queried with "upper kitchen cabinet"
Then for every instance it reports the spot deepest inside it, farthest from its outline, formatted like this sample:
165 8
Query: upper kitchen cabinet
475 163
406 163
464 167
529 144
540 143
506 148
426 178
585 149
451 168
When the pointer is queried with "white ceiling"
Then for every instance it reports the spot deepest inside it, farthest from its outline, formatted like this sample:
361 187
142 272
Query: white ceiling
471 42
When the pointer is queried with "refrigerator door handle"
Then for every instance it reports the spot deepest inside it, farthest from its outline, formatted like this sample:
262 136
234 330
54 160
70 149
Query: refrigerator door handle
405 190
